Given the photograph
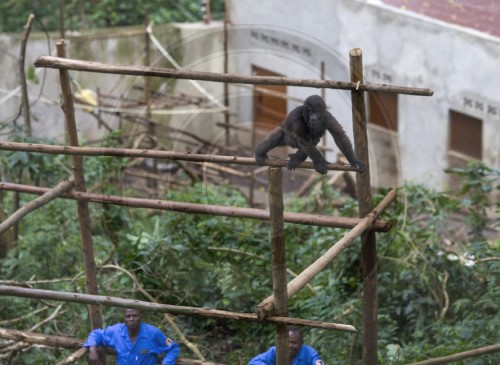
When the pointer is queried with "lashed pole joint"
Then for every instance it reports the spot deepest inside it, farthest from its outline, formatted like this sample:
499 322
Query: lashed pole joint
268 304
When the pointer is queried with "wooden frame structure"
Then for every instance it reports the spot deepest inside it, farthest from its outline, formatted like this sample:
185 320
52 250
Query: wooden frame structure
274 308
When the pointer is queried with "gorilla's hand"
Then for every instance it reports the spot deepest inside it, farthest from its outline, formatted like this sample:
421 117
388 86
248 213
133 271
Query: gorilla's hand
259 158
360 165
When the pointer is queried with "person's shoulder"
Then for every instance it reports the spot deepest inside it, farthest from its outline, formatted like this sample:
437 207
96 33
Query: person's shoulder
150 328
271 350
116 327
309 349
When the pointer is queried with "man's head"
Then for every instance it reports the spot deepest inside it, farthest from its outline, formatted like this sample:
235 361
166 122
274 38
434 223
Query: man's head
132 319
295 341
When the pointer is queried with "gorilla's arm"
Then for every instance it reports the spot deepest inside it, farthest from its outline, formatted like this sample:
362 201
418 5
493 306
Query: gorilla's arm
342 141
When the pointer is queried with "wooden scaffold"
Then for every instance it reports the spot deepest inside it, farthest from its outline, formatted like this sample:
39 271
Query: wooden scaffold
272 309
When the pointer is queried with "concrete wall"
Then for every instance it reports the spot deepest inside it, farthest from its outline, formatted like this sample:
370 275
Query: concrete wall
460 65
399 48
191 45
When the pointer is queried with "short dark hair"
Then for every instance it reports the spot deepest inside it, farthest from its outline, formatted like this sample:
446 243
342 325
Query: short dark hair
297 330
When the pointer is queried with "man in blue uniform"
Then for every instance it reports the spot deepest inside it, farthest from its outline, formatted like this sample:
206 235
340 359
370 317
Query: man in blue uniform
300 354
134 342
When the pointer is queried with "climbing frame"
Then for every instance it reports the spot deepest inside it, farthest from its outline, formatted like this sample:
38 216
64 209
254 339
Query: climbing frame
272 309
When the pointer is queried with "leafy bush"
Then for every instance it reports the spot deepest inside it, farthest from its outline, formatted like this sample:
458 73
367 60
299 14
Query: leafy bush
436 296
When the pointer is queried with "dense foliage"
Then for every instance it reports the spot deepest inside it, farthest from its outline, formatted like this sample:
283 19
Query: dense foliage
82 14
437 294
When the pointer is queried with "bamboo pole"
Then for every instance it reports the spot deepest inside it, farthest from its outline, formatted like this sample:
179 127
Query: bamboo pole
278 262
61 18
309 273
215 210
170 155
70 343
22 76
78 65
152 183
74 357
227 117
460 355
40 339
363 188
163 308
82 205
36 203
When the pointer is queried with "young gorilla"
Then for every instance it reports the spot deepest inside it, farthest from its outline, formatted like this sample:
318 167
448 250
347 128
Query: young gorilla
302 129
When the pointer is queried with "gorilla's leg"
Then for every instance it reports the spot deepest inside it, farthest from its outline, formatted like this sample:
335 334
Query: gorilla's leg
296 159
276 138
319 162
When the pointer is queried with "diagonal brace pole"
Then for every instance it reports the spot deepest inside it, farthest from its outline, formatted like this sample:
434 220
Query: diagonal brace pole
35 204
267 305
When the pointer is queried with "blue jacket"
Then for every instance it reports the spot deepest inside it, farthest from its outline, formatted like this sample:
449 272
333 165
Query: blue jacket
306 356
149 343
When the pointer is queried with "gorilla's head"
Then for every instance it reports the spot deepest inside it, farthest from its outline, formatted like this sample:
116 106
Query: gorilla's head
314 112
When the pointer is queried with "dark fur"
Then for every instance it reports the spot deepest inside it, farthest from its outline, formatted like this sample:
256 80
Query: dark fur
303 128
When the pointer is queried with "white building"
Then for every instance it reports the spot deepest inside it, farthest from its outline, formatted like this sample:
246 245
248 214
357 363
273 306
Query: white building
412 138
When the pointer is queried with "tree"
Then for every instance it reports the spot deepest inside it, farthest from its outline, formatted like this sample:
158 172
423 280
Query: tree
82 15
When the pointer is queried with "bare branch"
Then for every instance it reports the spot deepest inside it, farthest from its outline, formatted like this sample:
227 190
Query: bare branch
460 355
35 204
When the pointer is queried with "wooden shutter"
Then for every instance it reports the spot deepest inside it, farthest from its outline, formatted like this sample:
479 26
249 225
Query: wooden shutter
383 110
466 135
269 111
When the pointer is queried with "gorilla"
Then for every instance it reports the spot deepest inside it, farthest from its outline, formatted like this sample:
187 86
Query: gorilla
302 129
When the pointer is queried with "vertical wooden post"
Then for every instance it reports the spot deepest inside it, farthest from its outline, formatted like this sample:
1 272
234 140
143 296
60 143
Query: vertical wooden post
226 70
153 183
368 240
22 77
253 142
323 94
147 79
279 262
207 17
83 209
61 18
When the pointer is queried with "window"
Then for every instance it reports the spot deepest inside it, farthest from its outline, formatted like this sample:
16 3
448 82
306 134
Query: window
466 135
383 110
269 110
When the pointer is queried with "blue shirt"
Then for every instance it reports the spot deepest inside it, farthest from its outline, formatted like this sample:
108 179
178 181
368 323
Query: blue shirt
306 356
149 343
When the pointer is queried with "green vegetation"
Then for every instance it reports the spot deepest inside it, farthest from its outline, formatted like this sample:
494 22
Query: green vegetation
437 294
82 14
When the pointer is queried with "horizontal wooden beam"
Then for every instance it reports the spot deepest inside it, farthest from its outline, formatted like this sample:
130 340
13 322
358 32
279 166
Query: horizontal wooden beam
162 308
168 155
79 65
209 209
